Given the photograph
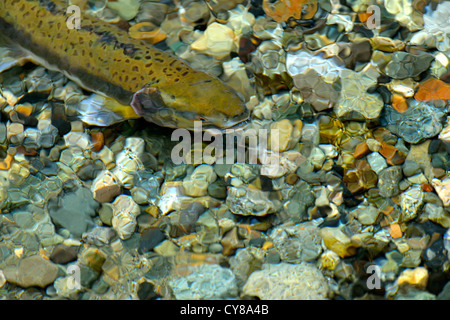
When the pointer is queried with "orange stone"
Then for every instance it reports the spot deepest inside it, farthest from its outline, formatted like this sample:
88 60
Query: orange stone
98 141
396 231
426 187
282 10
364 16
399 103
361 150
5 164
387 211
387 150
431 89
397 159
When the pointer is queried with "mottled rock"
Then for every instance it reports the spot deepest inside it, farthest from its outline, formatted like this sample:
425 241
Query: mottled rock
196 185
421 121
355 102
32 271
411 201
301 242
388 181
336 240
442 188
249 201
286 281
366 215
406 65
105 187
124 216
209 281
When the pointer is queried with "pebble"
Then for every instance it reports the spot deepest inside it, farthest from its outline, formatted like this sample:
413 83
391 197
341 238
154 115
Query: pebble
248 201
149 239
125 211
105 187
411 201
366 215
355 102
63 254
336 240
302 281
417 277
74 211
442 188
421 121
32 271
301 242
209 281
217 41
388 181
196 185
405 65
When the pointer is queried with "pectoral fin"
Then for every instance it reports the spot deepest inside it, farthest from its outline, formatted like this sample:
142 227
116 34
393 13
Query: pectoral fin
102 111
147 101
12 55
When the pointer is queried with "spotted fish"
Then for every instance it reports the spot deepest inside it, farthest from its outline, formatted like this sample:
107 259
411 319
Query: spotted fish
103 59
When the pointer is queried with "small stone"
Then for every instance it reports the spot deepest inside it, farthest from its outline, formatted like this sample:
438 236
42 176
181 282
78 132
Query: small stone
124 216
376 162
301 242
283 135
245 172
105 187
361 150
395 231
77 139
411 202
196 185
146 291
442 188
388 181
337 241
399 103
416 277
248 201
405 65
410 168
63 254
74 211
106 213
286 281
149 239
209 281
231 242
421 121
366 215
217 41
292 178
32 271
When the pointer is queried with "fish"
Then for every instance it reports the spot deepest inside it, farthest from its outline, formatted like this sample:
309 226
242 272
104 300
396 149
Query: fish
105 60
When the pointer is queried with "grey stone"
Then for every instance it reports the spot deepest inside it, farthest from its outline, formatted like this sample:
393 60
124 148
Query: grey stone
388 181
421 121
74 211
410 168
300 242
32 271
209 281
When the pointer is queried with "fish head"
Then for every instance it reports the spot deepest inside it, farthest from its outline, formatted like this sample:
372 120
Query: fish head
202 98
